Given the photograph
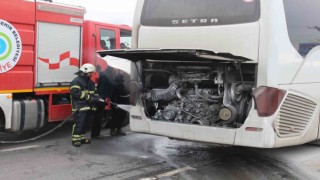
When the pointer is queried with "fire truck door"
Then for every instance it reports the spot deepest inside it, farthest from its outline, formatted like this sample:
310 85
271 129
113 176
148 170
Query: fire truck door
107 38
58 53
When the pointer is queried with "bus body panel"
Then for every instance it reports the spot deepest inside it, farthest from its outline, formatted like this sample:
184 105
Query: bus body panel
181 131
240 137
264 137
138 124
193 132
309 70
276 54
310 134
209 38
309 126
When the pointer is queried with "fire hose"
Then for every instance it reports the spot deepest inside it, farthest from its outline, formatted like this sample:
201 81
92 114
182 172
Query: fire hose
108 106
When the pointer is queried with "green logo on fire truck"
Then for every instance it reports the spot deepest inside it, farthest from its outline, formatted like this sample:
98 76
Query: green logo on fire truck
10 46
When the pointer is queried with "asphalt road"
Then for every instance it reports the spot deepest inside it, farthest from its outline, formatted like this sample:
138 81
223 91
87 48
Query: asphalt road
140 156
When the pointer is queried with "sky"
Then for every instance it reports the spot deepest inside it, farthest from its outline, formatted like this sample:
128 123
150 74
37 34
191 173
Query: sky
108 11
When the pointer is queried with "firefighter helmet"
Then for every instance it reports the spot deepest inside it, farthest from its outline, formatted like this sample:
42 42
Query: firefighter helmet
87 68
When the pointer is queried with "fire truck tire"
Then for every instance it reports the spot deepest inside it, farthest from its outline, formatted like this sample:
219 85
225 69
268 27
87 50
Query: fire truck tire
2 120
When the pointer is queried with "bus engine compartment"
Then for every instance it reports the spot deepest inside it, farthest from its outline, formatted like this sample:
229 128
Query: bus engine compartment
204 93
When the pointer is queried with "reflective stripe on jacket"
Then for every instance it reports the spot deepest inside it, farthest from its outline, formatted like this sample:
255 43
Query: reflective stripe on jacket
81 89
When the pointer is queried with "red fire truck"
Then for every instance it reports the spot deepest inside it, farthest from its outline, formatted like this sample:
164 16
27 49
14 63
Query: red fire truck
42 45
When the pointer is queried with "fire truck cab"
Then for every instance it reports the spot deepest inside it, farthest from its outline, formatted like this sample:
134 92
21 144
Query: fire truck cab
42 45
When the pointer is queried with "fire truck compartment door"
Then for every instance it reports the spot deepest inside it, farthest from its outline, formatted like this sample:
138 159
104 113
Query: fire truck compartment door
58 53
172 55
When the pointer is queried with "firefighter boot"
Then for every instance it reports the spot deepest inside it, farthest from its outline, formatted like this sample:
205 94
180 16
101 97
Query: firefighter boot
113 132
76 139
120 133
76 143
85 140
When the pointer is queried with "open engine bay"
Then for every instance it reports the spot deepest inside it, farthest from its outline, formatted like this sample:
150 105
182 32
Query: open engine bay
204 93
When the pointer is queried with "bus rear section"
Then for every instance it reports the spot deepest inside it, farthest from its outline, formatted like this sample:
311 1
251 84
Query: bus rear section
221 72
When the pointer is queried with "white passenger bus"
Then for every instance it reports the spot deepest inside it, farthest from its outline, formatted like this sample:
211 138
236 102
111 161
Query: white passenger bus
235 72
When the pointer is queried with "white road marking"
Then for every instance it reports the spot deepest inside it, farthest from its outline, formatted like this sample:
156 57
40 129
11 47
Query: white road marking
149 178
19 148
170 173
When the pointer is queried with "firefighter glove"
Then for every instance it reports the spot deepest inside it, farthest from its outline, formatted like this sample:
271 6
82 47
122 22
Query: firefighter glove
93 100
99 99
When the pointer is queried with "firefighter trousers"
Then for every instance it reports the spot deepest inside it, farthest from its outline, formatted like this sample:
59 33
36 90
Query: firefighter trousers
97 120
82 121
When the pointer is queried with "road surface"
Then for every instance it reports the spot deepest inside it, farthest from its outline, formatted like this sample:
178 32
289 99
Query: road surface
140 156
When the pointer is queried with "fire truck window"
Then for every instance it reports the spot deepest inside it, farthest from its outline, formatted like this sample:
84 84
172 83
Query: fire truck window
125 39
107 39
104 44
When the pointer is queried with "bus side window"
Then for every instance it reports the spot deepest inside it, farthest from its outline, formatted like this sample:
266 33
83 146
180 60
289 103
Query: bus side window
303 24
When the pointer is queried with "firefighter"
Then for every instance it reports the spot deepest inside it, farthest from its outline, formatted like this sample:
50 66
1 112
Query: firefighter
106 89
83 100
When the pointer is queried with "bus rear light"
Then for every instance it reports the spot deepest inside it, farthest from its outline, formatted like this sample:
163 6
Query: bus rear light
254 129
267 100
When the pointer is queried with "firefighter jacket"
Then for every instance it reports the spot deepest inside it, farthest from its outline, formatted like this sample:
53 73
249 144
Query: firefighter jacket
106 84
81 90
